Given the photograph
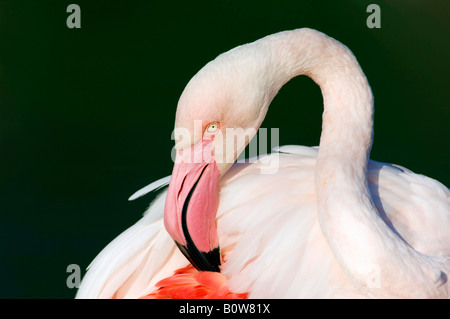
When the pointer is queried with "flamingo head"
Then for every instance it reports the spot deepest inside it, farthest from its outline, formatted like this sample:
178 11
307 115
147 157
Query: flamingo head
218 113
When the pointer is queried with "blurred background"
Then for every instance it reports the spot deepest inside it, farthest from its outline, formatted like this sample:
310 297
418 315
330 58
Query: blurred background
86 114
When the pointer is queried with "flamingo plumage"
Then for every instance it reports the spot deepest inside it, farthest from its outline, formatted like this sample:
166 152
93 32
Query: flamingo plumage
329 223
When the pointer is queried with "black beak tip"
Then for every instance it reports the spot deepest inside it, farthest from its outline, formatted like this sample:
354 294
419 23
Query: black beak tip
203 261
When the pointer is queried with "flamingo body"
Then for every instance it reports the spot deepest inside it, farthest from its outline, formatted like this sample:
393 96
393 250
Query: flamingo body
258 265
330 223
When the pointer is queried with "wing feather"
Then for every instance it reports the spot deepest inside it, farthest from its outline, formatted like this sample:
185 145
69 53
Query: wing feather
269 233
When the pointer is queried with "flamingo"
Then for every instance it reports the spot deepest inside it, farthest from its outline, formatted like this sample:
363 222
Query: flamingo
329 223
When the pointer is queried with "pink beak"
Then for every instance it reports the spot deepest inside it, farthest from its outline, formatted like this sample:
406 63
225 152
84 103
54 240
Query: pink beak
191 206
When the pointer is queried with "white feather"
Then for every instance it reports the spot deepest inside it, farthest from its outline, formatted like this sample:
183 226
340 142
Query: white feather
135 260
156 185
271 238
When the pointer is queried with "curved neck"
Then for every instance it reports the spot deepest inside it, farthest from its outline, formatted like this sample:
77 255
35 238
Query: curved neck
362 243
348 102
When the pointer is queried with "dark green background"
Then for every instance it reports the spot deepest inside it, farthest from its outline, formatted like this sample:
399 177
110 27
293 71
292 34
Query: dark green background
86 114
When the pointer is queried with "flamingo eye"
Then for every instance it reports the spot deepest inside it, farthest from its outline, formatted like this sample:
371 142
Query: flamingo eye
212 128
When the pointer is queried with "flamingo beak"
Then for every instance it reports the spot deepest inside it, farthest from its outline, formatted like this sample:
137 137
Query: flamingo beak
191 206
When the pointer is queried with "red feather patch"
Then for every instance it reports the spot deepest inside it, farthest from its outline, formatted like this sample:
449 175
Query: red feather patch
189 283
